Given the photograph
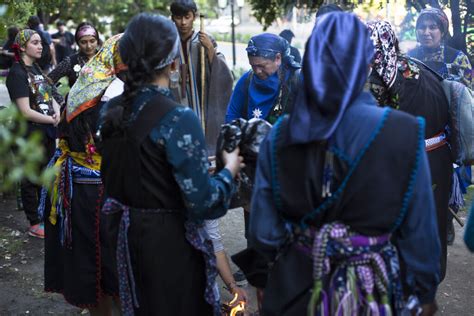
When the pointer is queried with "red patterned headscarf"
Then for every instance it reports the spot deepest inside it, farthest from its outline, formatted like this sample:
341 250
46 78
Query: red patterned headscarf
385 58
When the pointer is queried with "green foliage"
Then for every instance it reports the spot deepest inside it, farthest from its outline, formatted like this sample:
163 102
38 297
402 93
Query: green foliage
17 13
267 11
208 8
20 157
99 12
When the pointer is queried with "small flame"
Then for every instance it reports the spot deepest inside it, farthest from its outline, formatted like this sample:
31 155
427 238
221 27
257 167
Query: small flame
240 307
236 296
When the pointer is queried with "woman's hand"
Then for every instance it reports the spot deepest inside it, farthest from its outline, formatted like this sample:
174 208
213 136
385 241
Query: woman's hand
56 119
233 162
241 293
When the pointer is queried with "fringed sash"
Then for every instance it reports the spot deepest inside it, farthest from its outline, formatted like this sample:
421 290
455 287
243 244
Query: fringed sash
353 274
195 235
79 167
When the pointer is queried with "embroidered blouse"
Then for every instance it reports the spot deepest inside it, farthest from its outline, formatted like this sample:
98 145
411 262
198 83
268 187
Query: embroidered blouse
180 133
460 60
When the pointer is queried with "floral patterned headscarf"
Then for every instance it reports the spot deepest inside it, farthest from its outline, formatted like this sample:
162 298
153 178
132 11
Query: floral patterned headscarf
94 78
385 57
21 39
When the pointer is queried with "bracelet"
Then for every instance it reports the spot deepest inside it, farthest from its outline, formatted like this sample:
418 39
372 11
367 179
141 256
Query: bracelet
232 285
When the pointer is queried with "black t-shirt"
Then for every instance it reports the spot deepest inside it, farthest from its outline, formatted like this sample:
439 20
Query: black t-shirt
33 86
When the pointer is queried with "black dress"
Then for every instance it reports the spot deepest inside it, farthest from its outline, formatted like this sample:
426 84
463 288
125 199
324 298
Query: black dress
418 92
154 170
83 270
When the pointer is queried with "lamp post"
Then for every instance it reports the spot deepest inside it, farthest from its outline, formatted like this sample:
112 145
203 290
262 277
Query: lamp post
232 31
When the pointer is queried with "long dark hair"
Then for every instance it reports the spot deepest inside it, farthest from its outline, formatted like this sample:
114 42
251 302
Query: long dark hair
142 52
17 49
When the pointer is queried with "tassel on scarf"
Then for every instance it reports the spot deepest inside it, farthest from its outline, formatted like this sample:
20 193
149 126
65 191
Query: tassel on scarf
318 285
348 305
385 308
327 174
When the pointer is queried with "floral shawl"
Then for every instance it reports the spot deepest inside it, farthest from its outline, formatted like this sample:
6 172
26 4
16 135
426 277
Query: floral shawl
385 43
94 78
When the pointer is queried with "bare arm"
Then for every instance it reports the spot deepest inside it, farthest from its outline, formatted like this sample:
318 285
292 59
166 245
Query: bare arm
53 54
223 268
23 105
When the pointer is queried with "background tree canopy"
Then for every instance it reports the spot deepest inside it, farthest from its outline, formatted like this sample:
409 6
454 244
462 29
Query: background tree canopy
113 15
462 14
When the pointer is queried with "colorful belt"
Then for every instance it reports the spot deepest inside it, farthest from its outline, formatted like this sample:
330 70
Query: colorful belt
195 235
435 142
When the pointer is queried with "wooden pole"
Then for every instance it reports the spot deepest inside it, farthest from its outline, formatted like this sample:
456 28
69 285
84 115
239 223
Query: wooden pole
203 80
456 217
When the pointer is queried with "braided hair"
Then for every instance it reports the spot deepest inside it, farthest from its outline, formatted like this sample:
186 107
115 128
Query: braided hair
146 55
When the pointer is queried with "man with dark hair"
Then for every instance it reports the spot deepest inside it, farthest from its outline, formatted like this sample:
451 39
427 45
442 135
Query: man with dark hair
289 35
187 87
64 42
48 56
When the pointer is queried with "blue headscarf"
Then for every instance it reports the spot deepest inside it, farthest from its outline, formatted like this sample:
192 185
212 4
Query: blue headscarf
262 93
336 65
268 45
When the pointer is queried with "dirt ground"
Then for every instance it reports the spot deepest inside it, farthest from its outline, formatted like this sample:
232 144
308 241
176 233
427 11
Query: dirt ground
21 269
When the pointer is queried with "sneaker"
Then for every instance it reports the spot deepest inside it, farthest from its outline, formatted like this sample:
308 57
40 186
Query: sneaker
37 231
239 278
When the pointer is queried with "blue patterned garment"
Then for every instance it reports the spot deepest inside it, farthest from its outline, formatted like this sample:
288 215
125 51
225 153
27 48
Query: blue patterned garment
206 197
179 131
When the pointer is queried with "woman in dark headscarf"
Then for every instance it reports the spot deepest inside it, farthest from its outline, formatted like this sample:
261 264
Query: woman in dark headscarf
267 90
322 189
432 30
398 82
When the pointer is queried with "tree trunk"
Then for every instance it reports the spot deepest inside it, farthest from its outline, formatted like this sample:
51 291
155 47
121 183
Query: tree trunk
458 40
